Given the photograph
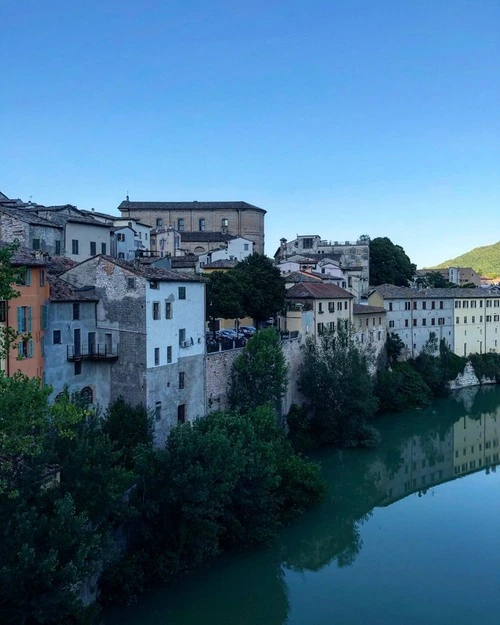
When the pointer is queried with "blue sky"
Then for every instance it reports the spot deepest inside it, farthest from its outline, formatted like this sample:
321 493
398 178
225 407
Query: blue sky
339 117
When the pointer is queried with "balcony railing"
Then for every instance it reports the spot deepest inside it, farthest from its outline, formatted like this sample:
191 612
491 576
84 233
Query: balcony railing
95 352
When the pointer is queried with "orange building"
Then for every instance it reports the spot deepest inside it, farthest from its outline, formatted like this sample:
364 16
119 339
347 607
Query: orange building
27 315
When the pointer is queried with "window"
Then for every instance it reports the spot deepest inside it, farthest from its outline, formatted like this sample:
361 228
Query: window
225 223
424 322
390 306
320 328
74 247
339 306
458 304
414 305
201 224
414 322
182 379
345 305
158 410
473 304
407 323
120 236
465 304
331 308
157 356
42 277
181 413
3 311
441 305
473 319
391 324
130 283
320 307
433 321
56 337
93 248
153 284
36 244
24 277
168 310
103 248
87 395
76 311
25 349
156 311
457 320
169 354
159 223
433 305
246 246
180 225
424 305
44 316
24 319
58 248
307 244
407 305
465 319
182 337
78 367
182 292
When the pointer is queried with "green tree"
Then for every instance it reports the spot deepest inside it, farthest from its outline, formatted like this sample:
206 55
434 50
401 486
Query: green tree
259 374
336 381
389 264
224 296
128 427
9 275
262 286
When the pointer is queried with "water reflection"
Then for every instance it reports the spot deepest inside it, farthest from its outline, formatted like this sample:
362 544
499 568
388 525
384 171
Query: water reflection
419 450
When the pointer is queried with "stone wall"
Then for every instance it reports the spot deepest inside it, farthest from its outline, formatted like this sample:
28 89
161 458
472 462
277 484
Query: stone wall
218 375
469 378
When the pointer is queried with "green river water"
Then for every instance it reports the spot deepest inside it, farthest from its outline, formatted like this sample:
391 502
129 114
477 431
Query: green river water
409 534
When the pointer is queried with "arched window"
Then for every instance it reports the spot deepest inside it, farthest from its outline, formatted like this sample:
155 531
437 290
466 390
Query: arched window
87 395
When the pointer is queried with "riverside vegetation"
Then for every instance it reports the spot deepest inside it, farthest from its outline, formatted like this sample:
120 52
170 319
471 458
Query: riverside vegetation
85 496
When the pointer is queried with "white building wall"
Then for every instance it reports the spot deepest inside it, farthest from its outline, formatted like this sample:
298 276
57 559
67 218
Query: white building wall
85 234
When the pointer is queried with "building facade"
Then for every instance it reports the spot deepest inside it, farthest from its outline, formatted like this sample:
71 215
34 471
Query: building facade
203 218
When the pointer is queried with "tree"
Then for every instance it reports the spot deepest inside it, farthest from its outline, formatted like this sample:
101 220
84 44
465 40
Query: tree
389 264
263 287
9 275
224 296
335 380
259 375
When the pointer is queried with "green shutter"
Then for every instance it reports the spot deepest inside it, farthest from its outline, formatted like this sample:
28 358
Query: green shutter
30 317
28 277
20 319
30 353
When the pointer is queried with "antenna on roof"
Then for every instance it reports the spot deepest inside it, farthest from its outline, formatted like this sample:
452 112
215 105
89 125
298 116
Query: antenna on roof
127 196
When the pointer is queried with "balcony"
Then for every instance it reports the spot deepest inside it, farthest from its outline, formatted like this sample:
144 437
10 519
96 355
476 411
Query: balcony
104 353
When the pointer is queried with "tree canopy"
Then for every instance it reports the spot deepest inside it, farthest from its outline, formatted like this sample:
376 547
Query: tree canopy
224 296
389 263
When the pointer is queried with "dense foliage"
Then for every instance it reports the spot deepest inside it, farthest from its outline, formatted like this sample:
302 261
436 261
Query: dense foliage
484 260
259 374
254 288
335 380
389 264
225 481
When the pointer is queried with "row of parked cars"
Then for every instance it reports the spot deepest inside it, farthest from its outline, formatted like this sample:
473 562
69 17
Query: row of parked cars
243 332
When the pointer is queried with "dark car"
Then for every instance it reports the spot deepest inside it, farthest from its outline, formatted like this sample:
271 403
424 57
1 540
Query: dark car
247 331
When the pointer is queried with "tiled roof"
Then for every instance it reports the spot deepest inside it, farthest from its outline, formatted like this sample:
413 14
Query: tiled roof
57 265
361 309
300 276
222 263
24 257
202 206
321 290
152 273
389 291
62 291
28 217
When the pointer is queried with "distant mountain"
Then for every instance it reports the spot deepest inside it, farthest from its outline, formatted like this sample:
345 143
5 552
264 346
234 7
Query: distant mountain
485 260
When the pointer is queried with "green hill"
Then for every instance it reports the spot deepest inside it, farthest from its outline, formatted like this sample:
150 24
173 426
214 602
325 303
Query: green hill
485 260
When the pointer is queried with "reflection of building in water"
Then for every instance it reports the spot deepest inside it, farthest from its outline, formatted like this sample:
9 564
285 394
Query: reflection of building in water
475 443
424 461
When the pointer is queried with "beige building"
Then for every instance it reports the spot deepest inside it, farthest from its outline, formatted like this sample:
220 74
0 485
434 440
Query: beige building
460 275
199 223
370 326
312 308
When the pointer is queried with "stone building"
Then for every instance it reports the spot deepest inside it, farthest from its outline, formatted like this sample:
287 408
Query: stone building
156 319
201 220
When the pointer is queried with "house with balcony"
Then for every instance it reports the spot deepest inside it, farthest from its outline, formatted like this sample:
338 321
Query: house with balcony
311 308
155 319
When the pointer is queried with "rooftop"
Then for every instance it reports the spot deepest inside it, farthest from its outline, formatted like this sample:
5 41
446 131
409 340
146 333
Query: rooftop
320 290
389 291
362 309
202 206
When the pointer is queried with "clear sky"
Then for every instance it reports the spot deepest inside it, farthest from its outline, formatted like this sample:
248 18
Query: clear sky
339 117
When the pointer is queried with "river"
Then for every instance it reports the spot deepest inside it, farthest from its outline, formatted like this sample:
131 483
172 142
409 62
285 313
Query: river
409 534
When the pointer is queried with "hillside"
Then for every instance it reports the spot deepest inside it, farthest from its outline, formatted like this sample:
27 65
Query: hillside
485 260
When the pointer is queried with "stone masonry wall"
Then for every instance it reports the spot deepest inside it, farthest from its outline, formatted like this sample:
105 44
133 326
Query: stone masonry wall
218 375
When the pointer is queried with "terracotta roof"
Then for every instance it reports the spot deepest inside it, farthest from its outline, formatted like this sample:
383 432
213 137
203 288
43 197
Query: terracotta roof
149 272
28 217
222 263
321 290
205 237
300 276
57 265
202 206
361 309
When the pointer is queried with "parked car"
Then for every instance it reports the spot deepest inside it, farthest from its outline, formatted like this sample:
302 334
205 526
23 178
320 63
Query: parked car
248 331
229 335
